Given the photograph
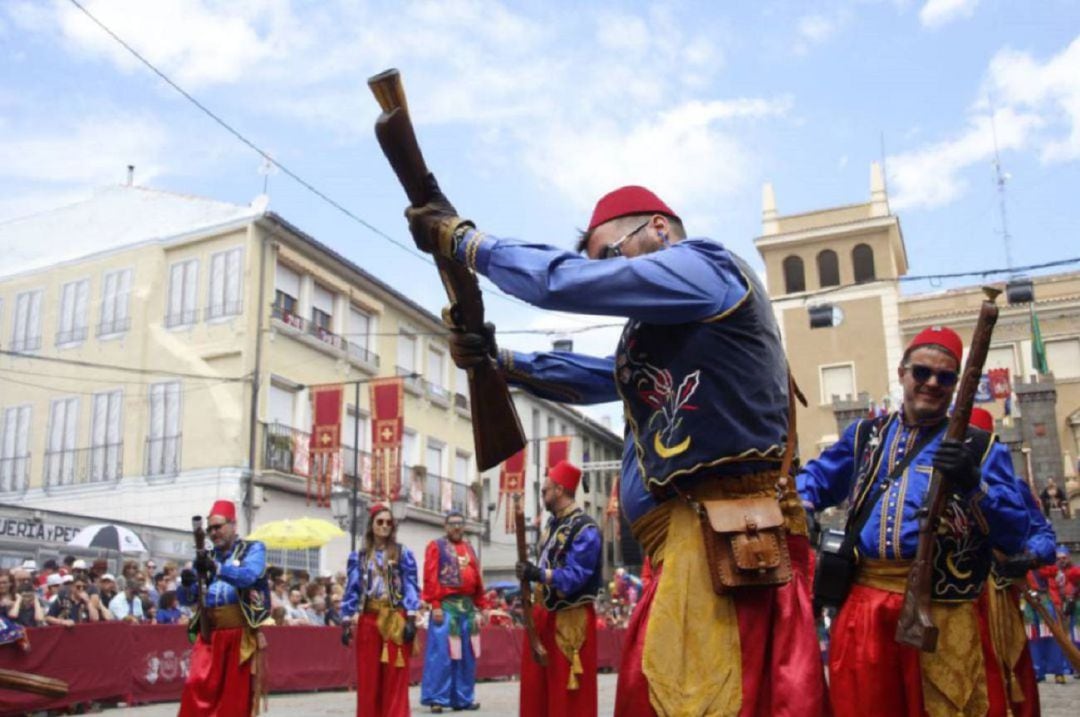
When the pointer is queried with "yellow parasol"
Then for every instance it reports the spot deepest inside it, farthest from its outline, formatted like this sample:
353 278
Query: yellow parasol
299 534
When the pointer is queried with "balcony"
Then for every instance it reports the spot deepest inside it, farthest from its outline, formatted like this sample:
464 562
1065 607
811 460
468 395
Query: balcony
413 383
360 355
14 474
26 343
326 340
181 318
285 448
71 336
225 310
163 456
461 404
437 393
117 326
83 466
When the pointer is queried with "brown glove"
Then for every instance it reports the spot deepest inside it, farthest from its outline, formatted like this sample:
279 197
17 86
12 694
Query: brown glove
436 225
470 349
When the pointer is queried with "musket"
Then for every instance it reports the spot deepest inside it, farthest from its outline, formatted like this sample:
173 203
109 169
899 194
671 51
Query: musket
1061 637
916 626
205 628
535 646
35 684
497 432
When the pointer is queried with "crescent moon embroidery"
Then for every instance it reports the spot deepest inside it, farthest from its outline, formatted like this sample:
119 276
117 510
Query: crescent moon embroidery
962 575
667 452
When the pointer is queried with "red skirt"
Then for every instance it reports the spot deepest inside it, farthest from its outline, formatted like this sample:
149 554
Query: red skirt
217 684
782 674
544 690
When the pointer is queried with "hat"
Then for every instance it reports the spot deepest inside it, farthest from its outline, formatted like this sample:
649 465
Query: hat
29 564
378 508
626 201
53 579
108 576
941 336
455 513
67 579
565 474
981 418
79 564
224 508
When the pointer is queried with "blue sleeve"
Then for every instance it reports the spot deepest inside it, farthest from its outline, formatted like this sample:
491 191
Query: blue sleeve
187 594
580 562
250 569
350 602
826 480
690 280
1041 539
411 579
1001 504
562 376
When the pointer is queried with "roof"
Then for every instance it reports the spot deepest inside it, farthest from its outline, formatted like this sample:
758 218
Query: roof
114 217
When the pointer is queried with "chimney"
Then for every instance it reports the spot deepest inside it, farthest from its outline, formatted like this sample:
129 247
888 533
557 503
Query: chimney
131 175
879 197
769 223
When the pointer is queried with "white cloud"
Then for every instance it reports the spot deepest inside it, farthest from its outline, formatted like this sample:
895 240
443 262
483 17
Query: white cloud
937 13
816 28
932 176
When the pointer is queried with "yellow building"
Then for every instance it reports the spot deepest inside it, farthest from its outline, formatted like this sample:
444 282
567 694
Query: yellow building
127 374
834 277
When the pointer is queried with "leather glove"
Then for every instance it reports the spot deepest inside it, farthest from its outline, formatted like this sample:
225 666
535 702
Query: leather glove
409 633
188 577
469 349
206 565
1015 566
433 225
813 527
527 571
956 463
346 634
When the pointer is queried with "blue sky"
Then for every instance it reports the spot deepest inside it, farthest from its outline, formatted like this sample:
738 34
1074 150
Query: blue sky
529 111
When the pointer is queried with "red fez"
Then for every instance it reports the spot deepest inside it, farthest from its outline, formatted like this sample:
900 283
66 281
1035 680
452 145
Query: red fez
378 508
224 508
941 336
625 201
981 418
566 474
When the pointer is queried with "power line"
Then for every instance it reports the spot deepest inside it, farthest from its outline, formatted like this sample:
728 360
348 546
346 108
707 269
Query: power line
91 379
123 369
69 392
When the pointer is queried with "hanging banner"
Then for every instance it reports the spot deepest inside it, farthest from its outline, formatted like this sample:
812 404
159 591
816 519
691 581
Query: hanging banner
1000 383
612 511
511 483
326 403
387 429
983 393
558 449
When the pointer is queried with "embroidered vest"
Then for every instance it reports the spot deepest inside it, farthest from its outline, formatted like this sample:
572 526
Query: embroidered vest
393 580
558 539
711 393
449 567
254 600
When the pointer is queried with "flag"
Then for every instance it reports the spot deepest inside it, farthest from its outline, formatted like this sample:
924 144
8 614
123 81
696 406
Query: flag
1000 383
511 484
1038 348
387 428
326 402
983 394
558 449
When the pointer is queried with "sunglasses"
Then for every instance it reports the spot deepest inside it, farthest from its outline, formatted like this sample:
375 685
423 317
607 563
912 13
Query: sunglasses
215 526
922 374
455 524
384 521
615 248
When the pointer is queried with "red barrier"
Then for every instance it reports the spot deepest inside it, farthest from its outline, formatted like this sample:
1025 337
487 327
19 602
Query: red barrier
148 663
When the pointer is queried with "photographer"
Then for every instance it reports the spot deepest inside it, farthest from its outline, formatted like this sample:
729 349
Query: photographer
74 605
27 609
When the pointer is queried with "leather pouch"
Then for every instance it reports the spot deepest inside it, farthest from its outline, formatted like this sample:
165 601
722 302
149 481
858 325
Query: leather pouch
745 543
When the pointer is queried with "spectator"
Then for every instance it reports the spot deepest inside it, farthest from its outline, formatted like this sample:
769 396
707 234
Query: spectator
107 587
52 587
27 608
280 595
129 571
277 614
7 591
294 613
48 568
69 562
172 574
316 611
157 588
1053 499
126 605
168 611
333 613
74 605
149 605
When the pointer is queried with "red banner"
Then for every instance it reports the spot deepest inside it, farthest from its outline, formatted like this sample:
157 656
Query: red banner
558 449
512 483
1000 385
326 404
387 428
612 512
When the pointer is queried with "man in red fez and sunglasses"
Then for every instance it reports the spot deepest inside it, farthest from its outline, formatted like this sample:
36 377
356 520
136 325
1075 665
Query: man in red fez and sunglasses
227 675
882 466
701 373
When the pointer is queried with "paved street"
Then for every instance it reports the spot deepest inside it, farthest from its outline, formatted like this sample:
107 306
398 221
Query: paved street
501 698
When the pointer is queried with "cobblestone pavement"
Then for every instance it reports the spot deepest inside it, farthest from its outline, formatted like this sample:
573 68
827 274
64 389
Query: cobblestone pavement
501 698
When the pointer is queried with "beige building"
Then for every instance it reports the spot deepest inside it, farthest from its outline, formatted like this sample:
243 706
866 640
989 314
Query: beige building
834 276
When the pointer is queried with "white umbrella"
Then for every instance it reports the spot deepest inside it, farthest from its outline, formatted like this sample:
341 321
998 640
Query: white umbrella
107 536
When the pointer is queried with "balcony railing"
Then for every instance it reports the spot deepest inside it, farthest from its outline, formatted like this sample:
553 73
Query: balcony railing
71 336
80 466
461 402
14 474
437 392
281 447
26 343
163 456
229 308
361 354
181 318
353 351
412 382
117 326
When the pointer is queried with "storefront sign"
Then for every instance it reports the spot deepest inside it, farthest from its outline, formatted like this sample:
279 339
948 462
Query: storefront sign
30 529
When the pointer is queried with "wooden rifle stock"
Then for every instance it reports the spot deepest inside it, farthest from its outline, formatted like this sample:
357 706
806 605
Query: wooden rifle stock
536 647
1057 629
34 684
916 626
497 432
205 628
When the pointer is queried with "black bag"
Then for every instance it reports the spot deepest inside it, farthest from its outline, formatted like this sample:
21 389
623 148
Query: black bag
834 571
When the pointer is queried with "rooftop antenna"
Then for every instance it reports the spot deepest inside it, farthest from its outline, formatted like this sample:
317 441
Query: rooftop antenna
1000 178
266 169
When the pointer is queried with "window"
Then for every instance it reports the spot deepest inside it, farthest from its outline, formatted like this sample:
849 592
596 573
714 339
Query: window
535 423
409 445
281 405
794 276
837 381
406 351
322 307
294 559
225 273
286 289
1001 357
115 289
74 297
862 258
550 426
436 371
1063 357
361 345
163 443
15 449
828 268
107 436
183 282
60 450
437 492
26 334
356 425
463 497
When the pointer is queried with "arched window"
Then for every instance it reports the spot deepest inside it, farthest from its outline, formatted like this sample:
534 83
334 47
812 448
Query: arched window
862 257
828 268
794 277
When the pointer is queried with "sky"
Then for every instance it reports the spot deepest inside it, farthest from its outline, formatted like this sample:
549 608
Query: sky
528 112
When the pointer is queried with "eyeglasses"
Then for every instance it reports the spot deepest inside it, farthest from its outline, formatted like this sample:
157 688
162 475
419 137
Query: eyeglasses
384 521
922 374
79 586
615 248
455 524
211 527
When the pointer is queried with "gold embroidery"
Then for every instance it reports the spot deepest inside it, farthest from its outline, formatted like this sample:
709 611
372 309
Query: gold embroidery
570 632
666 451
954 676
